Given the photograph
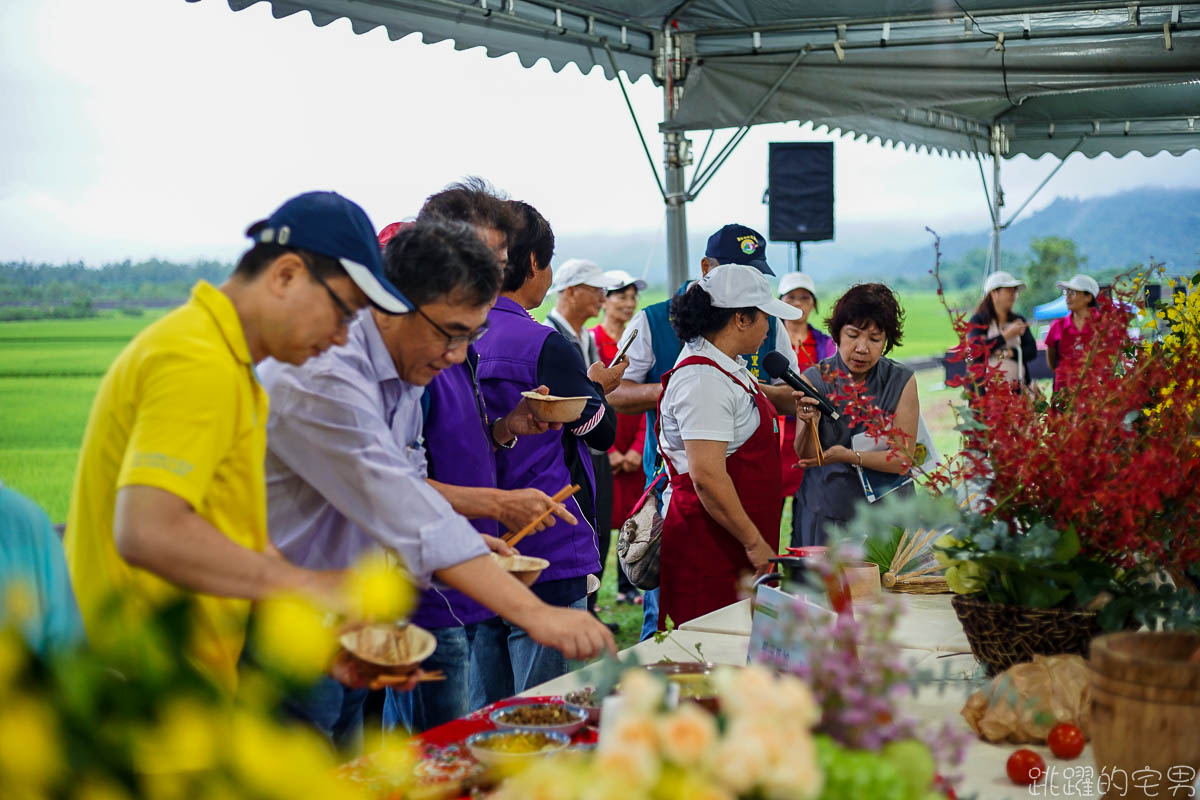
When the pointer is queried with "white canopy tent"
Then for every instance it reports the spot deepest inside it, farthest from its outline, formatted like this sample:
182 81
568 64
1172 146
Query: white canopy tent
984 77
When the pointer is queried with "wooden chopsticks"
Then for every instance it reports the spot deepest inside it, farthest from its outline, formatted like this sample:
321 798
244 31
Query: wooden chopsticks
421 677
511 539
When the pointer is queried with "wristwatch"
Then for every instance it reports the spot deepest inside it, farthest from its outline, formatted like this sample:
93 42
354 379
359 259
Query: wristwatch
509 445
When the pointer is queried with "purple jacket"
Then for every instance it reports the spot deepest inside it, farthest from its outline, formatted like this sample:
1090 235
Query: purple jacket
459 452
826 347
508 361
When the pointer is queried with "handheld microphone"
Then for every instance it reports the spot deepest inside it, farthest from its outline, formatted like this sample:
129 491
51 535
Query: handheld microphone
776 365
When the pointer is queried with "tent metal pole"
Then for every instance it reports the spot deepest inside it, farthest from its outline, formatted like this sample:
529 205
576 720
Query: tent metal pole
997 201
675 158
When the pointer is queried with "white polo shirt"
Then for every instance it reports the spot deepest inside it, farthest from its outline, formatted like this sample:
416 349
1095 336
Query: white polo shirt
703 403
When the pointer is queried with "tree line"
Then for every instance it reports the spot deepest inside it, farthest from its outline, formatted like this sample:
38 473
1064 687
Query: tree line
63 291
1050 259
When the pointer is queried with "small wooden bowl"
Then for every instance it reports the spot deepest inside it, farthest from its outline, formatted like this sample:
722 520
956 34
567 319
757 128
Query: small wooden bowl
549 408
863 578
398 648
526 569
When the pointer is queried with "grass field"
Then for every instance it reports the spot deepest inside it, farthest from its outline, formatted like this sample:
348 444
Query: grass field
49 372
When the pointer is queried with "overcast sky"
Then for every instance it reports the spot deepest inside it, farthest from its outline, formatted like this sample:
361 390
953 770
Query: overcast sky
134 128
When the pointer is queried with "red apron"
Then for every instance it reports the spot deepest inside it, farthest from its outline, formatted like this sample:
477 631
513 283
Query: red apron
700 561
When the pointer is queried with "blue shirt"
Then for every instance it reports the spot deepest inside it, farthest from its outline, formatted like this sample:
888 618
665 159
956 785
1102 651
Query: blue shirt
346 463
31 555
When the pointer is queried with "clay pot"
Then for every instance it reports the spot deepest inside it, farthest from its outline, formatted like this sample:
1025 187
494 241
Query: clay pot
1145 712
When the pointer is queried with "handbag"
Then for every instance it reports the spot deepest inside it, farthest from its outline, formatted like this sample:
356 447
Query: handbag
640 539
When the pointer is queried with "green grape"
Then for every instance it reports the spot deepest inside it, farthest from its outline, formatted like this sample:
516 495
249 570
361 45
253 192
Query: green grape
858 774
914 762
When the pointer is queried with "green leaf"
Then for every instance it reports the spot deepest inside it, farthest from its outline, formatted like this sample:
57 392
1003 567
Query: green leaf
1068 545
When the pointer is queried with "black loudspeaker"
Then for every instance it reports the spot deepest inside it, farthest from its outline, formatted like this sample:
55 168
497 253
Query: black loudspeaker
800 191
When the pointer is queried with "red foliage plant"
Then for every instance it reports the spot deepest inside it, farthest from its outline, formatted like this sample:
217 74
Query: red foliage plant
1114 452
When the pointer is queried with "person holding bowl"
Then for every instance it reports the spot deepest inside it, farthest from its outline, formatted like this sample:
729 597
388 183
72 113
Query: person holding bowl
718 434
1002 331
867 322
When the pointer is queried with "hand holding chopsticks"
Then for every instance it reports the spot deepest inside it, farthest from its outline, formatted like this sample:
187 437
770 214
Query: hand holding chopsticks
511 539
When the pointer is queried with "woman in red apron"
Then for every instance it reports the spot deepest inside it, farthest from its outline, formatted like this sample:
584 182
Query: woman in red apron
719 437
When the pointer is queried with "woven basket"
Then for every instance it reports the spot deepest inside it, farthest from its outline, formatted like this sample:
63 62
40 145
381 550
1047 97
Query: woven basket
1002 635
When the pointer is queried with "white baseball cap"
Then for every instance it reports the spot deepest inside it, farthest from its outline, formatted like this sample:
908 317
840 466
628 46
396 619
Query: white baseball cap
740 286
792 281
1081 283
580 272
1001 280
620 279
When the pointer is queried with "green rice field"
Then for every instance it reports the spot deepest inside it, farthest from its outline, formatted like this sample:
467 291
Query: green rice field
50 369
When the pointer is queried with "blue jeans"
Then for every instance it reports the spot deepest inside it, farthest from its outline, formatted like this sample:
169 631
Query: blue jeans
483 662
333 709
437 702
649 613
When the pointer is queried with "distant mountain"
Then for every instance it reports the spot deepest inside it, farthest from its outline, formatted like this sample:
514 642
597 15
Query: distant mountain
1135 227
1120 230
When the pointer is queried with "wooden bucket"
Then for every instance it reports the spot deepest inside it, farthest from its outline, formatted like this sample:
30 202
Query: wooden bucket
1145 713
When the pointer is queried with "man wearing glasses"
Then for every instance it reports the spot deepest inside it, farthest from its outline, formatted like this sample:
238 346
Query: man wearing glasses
346 463
169 493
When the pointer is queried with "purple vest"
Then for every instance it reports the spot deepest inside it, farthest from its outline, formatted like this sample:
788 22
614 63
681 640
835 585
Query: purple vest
458 452
508 359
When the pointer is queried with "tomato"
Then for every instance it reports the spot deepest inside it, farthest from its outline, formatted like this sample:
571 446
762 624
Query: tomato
1025 767
1066 740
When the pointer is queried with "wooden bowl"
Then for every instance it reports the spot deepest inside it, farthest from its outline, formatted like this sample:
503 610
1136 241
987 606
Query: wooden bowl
385 644
526 569
863 578
549 408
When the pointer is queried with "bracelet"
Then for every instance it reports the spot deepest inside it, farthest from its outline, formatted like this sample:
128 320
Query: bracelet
501 445
858 455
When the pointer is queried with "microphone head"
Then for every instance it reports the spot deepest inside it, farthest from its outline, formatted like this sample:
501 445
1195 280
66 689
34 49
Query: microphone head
775 364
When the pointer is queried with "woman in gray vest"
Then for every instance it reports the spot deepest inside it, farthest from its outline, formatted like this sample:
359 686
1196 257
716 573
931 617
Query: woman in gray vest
866 323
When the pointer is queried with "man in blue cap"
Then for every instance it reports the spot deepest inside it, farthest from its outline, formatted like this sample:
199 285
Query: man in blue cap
656 349
170 494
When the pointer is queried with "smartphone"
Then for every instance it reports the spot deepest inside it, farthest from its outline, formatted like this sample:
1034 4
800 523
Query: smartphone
625 349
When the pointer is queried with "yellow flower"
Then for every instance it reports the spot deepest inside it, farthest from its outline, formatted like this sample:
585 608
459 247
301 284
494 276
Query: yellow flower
630 729
291 636
640 691
95 787
20 602
282 762
29 751
687 735
740 765
965 577
188 727
378 590
686 785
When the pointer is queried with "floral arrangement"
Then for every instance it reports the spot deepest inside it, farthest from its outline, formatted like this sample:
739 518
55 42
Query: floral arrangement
1080 499
760 745
136 718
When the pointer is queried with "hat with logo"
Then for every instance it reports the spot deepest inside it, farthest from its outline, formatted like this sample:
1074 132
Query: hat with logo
742 286
797 280
328 224
620 279
1081 283
580 272
1001 280
737 244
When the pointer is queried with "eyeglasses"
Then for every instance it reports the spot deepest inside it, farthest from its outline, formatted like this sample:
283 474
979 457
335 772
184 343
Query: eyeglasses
348 313
456 340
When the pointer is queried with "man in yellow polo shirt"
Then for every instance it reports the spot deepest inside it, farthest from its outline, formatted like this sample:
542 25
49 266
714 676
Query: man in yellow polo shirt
169 492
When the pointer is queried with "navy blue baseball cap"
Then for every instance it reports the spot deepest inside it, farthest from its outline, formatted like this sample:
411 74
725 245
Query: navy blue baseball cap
330 225
737 244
